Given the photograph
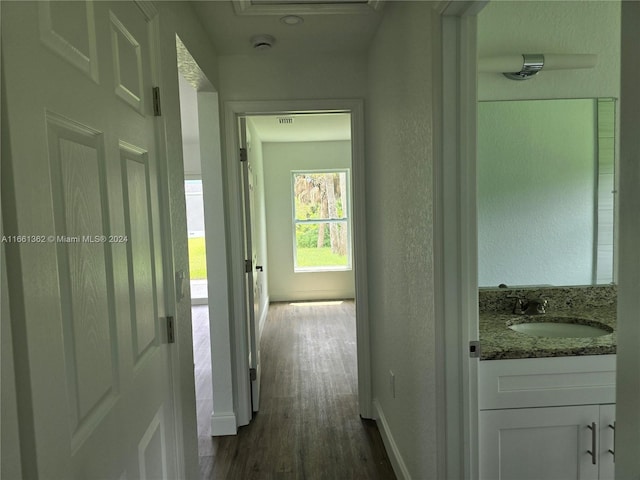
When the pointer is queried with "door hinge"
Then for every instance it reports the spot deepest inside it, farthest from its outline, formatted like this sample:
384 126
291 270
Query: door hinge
474 349
253 374
157 111
243 155
248 266
171 335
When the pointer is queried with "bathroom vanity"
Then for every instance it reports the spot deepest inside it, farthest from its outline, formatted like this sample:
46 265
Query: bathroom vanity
547 404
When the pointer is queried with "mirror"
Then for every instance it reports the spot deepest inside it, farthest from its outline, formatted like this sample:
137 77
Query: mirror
546 192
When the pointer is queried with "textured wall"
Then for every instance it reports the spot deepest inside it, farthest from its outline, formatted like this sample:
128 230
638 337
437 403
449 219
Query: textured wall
280 159
271 77
516 27
400 230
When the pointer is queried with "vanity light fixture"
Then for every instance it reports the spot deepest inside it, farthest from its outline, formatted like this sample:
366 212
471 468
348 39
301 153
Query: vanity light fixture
525 66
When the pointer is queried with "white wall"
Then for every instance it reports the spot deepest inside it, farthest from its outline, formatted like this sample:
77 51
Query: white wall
399 146
277 77
516 27
189 127
279 160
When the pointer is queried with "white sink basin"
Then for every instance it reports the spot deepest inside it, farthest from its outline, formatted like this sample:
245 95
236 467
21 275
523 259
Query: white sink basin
561 327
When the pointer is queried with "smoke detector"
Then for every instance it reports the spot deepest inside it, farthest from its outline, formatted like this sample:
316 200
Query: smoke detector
262 41
292 20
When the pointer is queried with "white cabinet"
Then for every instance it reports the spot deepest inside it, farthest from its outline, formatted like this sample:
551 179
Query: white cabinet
548 443
547 419
606 439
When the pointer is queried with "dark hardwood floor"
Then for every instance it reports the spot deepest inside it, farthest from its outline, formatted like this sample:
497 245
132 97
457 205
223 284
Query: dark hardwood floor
308 425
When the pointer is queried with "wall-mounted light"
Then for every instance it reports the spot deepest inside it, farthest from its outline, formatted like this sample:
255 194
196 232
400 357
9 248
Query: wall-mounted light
525 66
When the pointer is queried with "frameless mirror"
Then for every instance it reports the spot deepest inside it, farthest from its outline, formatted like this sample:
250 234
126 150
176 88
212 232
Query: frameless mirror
546 192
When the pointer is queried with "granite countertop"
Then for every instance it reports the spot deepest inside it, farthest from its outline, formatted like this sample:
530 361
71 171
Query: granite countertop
500 342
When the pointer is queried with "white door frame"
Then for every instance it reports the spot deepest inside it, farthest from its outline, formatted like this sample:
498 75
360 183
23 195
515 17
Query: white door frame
628 357
238 340
223 419
455 248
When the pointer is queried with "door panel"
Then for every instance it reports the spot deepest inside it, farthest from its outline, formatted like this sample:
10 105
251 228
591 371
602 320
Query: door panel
127 64
252 301
538 443
88 296
80 205
70 31
139 234
152 450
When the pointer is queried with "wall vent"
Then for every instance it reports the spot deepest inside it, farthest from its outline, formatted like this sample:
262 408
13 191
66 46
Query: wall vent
285 120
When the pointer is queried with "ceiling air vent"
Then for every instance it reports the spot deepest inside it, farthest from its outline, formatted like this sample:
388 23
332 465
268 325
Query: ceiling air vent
285 120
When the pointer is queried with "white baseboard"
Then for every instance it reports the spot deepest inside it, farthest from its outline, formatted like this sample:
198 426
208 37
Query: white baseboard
399 467
223 424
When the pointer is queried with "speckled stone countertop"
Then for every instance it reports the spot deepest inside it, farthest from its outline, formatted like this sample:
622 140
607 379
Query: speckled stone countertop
591 304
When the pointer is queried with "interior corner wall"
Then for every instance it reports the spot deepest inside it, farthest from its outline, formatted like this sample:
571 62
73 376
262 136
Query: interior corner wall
178 18
279 160
532 26
400 202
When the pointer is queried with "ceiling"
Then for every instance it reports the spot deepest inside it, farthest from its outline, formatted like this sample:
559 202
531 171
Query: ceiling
344 26
328 26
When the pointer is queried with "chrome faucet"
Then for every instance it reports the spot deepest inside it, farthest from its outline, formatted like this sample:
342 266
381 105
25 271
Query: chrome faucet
537 306
524 306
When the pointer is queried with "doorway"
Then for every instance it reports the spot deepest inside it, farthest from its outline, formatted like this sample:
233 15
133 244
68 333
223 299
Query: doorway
297 215
193 189
208 280
286 109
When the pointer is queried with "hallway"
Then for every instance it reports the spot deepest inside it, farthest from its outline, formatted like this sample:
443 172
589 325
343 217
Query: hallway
308 426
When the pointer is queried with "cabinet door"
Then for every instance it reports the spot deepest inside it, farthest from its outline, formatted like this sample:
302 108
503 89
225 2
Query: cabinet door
607 436
538 443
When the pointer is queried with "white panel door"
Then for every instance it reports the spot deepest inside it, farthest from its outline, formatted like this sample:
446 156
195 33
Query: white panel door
539 443
86 281
251 285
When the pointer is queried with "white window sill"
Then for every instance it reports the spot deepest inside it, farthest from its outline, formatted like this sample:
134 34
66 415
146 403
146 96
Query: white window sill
321 269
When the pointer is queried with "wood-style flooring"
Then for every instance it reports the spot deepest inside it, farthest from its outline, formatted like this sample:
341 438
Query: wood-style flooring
308 425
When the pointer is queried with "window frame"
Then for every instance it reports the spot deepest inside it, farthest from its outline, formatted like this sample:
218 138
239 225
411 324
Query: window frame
346 219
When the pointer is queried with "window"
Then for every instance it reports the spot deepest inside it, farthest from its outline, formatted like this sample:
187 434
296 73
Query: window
195 227
321 220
